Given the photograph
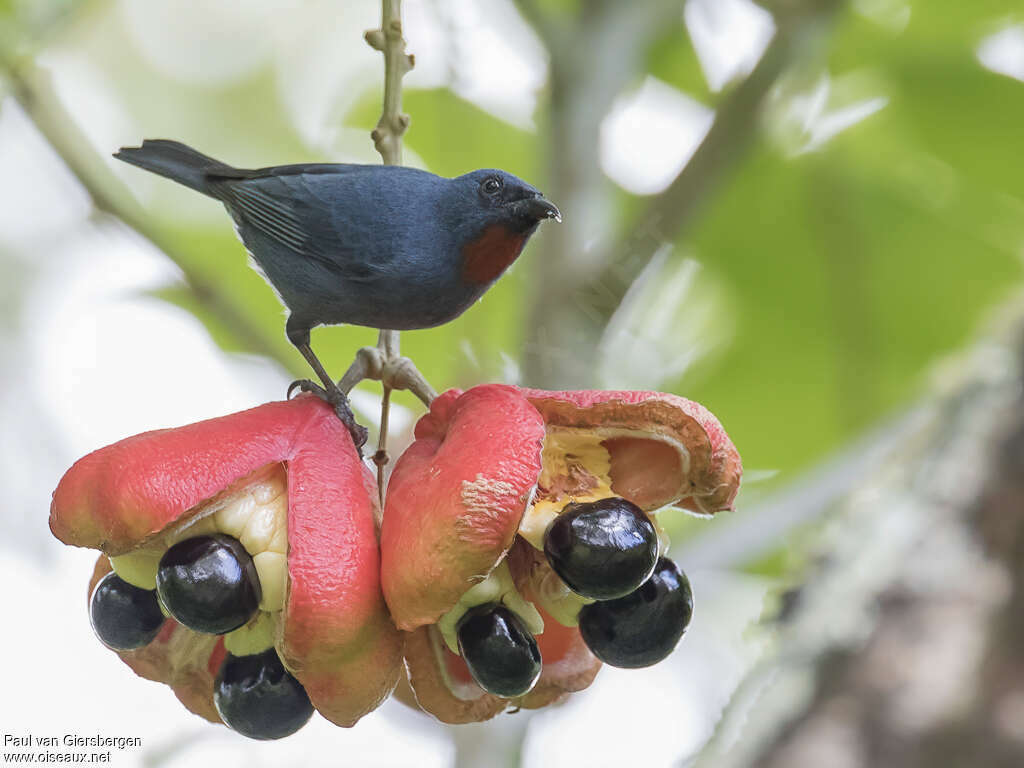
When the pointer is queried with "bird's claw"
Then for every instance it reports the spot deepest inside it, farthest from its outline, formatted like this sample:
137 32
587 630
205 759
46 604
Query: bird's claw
335 398
359 433
305 385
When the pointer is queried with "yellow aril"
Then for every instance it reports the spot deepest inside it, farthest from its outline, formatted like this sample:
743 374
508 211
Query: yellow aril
279 541
255 637
138 568
232 517
563 449
557 600
264 524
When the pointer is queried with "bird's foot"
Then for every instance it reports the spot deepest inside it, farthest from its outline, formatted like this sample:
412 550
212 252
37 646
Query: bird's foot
305 385
335 398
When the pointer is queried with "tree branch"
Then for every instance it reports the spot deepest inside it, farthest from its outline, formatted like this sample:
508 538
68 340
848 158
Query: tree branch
902 646
566 331
587 72
543 24
30 87
387 136
732 132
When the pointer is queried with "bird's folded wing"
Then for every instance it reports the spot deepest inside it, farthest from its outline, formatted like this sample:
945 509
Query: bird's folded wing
266 204
273 217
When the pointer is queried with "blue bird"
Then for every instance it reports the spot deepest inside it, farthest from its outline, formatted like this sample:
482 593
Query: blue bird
380 246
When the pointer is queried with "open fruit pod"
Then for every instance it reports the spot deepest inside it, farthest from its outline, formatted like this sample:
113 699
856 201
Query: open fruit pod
240 565
519 548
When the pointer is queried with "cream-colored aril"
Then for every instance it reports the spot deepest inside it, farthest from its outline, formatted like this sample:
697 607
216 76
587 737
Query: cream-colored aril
257 515
254 637
498 587
272 568
555 597
139 567
575 467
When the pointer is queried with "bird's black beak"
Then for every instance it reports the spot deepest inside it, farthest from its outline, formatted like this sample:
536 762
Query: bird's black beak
538 208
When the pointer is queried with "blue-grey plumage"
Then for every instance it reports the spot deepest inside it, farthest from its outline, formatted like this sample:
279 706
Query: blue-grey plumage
380 246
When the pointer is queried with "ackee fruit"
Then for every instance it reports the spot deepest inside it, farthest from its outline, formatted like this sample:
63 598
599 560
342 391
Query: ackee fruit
265 519
513 511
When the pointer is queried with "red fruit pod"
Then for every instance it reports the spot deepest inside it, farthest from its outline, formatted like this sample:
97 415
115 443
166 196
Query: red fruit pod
468 503
293 459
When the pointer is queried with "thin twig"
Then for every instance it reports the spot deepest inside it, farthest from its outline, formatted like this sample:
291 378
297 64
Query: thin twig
387 136
381 458
394 370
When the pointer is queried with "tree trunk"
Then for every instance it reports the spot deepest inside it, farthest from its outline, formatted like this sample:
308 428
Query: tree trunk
904 646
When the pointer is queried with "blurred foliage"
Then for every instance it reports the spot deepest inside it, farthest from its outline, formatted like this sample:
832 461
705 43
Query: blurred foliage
24 22
672 59
859 263
453 152
849 264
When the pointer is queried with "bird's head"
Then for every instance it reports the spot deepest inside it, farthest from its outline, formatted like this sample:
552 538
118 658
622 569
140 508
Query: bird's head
497 213
495 196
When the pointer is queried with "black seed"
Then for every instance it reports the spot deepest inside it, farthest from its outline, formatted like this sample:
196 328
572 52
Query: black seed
499 650
209 583
602 549
257 697
123 616
642 628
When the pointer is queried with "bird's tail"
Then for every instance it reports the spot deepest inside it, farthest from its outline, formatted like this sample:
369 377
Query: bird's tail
176 161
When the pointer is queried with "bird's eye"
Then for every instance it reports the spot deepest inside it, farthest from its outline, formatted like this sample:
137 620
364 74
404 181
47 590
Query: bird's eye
492 185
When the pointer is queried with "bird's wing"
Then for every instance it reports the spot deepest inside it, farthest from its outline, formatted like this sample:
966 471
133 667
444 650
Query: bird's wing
274 217
282 207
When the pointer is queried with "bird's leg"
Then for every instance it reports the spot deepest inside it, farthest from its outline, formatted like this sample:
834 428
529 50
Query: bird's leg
329 391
